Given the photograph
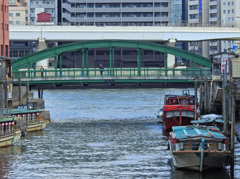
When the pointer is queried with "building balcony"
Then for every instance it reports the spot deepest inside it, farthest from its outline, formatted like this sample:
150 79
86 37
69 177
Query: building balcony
213 3
213 11
213 44
212 52
137 9
213 19
137 19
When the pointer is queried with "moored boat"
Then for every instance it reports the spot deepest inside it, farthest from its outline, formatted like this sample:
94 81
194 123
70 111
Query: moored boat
210 120
178 110
198 147
160 114
36 119
10 130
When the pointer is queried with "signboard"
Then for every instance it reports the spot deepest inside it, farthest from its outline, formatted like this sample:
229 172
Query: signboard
235 47
224 64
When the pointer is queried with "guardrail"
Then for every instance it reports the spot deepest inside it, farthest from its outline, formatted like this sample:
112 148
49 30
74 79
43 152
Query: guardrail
117 72
167 24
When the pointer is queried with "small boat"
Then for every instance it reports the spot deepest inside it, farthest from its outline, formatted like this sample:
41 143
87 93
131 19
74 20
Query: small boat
210 120
198 147
36 119
160 114
178 110
10 130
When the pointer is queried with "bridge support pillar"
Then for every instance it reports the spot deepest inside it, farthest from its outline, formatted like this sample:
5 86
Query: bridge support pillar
139 61
165 63
87 61
193 67
60 64
41 45
83 57
55 65
170 58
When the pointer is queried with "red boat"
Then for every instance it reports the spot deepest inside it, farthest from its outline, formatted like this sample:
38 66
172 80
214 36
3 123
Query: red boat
178 110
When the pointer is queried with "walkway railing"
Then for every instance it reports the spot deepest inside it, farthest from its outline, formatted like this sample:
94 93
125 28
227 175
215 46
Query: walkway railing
184 23
117 72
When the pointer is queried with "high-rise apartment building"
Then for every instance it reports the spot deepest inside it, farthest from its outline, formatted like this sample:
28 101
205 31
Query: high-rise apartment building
206 13
35 7
230 17
118 12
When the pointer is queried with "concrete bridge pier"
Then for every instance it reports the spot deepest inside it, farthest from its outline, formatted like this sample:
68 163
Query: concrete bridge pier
41 45
170 58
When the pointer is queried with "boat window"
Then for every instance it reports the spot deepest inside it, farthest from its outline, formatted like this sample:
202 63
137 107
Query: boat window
190 102
184 102
195 146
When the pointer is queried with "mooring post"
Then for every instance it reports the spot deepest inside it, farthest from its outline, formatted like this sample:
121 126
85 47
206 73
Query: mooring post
19 90
27 91
201 96
39 92
205 95
195 98
224 105
232 132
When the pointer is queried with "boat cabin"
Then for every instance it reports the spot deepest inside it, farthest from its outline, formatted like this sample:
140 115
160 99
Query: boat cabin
179 100
193 138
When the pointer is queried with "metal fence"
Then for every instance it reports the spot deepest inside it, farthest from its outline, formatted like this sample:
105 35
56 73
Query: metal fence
166 24
117 72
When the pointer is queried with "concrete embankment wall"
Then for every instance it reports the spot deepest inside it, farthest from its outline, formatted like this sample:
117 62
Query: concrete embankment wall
15 98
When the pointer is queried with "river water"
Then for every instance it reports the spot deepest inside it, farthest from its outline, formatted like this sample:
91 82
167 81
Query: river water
100 133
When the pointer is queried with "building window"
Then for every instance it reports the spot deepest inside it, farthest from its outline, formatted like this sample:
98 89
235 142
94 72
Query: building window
232 10
229 18
232 3
224 11
194 7
10 14
194 16
10 22
224 3
228 11
6 50
18 14
228 3
2 50
232 18
18 22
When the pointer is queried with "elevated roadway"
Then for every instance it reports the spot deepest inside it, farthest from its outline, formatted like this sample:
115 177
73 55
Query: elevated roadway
149 33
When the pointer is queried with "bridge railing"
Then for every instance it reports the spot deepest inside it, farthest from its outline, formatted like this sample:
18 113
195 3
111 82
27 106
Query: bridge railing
117 72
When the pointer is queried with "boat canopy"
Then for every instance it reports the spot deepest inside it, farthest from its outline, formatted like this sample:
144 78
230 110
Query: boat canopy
182 132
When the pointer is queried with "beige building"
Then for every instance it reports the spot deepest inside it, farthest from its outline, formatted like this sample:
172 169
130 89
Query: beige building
18 12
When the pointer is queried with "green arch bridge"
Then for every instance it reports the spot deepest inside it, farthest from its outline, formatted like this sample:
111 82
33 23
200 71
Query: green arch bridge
21 66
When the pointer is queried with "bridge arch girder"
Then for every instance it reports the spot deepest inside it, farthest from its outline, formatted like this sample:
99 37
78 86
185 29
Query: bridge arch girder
54 51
